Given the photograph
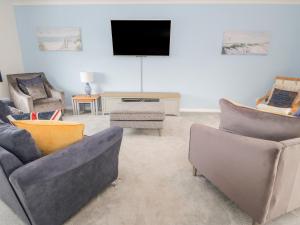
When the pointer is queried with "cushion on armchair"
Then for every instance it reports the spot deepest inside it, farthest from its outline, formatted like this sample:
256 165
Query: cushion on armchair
33 87
258 124
282 98
51 136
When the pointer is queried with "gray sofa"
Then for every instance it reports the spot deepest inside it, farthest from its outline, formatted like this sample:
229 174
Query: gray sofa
253 158
50 189
55 100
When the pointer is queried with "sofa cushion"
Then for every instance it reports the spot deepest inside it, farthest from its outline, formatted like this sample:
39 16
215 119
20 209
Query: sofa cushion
258 124
33 87
19 142
48 104
4 111
282 98
53 115
51 136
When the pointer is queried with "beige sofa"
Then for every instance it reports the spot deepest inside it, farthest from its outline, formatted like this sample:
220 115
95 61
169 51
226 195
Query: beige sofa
251 160
25 102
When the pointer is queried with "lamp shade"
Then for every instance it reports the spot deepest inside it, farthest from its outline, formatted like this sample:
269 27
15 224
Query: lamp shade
86 77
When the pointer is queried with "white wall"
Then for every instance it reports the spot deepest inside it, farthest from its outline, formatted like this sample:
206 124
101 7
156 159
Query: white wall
10 52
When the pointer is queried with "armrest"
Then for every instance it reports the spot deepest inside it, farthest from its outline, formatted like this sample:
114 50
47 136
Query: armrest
21 101
287 184
243 168
56 186
263 99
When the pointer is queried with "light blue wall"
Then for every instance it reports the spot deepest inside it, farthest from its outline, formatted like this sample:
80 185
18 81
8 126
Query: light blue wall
195 67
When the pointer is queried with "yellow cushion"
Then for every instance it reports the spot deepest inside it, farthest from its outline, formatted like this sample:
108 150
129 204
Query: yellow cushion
51 136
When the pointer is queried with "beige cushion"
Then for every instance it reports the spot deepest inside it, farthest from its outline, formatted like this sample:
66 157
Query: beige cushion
273 109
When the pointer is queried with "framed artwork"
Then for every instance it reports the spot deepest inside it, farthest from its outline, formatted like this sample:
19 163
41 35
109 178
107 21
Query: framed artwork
246 43
59 39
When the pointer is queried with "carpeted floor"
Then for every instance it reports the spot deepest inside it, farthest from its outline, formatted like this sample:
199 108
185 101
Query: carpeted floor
155 185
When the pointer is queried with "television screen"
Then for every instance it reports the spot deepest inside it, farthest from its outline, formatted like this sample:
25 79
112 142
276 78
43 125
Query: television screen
141 37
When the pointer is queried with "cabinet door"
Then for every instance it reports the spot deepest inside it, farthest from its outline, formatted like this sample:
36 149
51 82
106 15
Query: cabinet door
110 103
171 106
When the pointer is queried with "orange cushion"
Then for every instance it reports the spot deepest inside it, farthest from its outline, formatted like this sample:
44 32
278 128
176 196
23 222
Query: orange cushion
51 136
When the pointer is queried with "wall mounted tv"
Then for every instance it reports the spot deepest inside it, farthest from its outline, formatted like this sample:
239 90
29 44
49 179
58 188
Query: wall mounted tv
141 37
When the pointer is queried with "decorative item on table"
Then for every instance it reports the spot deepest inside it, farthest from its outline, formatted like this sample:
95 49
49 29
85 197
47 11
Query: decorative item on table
87 78
53 115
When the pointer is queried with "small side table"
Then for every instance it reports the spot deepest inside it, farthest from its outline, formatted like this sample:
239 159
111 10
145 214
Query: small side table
93 100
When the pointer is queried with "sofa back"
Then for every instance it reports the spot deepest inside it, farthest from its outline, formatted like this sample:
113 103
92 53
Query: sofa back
8 164
258 124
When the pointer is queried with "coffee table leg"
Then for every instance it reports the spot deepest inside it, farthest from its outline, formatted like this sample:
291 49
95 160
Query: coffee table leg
96 103
92 108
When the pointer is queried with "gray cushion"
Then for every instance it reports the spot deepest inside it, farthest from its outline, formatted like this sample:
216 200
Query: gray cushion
33 87
19 142
4 111
254 123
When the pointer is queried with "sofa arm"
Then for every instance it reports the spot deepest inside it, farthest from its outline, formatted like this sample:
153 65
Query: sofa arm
243 168
21 101
58 94
56 186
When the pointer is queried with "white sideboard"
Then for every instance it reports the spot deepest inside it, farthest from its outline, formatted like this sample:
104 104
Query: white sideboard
171 100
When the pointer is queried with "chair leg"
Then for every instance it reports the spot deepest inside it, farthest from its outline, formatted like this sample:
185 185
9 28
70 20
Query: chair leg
194 171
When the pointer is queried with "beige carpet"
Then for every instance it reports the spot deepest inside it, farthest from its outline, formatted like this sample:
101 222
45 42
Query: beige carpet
155 185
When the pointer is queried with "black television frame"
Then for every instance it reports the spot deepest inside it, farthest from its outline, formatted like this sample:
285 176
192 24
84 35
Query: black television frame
133 54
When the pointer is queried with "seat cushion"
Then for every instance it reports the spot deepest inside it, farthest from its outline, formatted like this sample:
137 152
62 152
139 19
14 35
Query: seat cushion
272 109
47 104
51 136
138 111
33 87
258 124
18 142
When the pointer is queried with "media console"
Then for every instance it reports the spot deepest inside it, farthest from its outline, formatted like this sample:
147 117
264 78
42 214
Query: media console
171 100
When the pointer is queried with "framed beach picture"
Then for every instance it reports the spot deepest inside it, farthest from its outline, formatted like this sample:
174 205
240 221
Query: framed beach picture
246 43
59 39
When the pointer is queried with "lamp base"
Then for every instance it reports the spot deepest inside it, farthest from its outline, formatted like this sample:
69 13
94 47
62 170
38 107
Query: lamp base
88 89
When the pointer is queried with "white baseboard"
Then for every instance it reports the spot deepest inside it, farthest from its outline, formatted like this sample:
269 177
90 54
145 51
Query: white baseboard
207 110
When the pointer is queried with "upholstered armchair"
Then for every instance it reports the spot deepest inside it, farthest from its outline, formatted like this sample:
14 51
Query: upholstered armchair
253 158
54 101
282 83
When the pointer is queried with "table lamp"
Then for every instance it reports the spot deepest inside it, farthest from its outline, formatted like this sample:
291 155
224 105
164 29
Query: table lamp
87 78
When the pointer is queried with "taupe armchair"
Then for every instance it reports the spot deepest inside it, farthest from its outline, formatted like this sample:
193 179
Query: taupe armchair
253 158
25 102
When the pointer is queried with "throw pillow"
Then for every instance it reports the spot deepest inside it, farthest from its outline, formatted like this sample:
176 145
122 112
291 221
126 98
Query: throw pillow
282 98
4 112
33 87
51 136
53 115
258 124
18 142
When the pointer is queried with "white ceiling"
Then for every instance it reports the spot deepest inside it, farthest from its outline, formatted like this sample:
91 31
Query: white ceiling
67 2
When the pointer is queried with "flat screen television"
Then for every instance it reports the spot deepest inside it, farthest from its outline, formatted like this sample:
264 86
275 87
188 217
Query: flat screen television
141 37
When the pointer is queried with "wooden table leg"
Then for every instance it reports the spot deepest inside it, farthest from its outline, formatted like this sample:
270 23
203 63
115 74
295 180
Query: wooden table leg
96 103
